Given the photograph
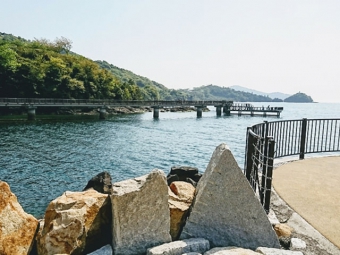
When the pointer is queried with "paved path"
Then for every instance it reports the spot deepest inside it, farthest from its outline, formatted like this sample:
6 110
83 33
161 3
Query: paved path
312 188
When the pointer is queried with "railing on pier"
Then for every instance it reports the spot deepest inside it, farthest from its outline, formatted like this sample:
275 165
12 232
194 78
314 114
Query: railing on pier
107 102
269 140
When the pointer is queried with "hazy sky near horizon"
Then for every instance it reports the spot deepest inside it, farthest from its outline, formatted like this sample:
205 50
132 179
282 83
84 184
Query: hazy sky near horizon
286 46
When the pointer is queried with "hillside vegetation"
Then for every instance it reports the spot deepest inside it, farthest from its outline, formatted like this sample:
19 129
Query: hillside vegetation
49 69
45 69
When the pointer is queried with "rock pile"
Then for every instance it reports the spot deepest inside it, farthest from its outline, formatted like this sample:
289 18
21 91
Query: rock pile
143 215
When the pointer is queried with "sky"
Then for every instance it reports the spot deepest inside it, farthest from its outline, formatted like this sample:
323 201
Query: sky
286 46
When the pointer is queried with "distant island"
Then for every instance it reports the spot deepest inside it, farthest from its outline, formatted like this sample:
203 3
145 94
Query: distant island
49 69
299 98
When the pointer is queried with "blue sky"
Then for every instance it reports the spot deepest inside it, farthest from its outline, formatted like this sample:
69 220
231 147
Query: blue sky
287 46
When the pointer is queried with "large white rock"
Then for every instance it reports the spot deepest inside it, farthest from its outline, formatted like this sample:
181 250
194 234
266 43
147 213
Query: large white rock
225 210
17 228
140 214
179 247
230 251
76 223
271 251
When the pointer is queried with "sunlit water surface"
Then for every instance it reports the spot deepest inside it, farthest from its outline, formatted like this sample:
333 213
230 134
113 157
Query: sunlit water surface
42 159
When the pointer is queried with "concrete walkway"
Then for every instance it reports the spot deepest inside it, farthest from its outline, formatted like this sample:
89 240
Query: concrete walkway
311 187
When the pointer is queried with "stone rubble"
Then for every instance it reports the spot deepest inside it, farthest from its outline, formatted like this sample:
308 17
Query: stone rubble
140 214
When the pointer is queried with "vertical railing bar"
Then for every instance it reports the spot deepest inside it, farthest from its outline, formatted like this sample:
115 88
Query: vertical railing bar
285 135
326 136
290 137
312 143
338 135
295 140
315 136
317 145
334 134
330 136
322 134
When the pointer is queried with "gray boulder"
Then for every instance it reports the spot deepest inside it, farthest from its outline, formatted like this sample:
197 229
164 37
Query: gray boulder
179 247
226 210
140 214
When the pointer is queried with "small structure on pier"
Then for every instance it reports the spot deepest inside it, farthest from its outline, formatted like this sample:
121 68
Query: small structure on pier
249 109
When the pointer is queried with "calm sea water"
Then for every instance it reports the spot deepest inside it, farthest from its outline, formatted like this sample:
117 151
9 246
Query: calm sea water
42 159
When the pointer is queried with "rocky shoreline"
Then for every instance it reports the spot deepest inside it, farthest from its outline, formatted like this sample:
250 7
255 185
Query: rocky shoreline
181 213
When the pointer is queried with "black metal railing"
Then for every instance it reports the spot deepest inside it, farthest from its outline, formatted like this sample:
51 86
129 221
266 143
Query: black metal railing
259 165
285 138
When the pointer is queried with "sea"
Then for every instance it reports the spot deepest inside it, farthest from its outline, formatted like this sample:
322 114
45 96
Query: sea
42 159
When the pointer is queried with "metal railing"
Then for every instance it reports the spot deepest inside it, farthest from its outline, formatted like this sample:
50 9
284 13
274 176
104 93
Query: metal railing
285 138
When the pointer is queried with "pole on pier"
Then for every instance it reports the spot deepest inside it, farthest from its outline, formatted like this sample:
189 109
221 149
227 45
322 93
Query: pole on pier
102 113
31 113
218 110
199 111
155 112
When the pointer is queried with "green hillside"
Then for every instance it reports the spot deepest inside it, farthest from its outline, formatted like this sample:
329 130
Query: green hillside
49 69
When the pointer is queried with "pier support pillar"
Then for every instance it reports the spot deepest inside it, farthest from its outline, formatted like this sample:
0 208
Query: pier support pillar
252 113
218 110
264 114
226 110
102 113
155 112
239 113
199 111
31 113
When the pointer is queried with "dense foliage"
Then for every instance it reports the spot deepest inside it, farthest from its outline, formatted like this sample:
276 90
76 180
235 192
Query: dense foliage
213 92
43 69
299 98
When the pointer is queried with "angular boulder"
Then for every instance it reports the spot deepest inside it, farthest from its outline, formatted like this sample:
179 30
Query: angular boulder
17 228
140 214
181 195
102 183
76 223
179 247
226 210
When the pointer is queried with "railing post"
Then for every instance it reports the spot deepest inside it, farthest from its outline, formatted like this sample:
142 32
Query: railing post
249 154
268 182
264 168
303 138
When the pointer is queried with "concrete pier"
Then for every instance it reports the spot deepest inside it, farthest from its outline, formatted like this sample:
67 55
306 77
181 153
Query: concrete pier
199 111
226 110
31 113
155 112
102 113
218 110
